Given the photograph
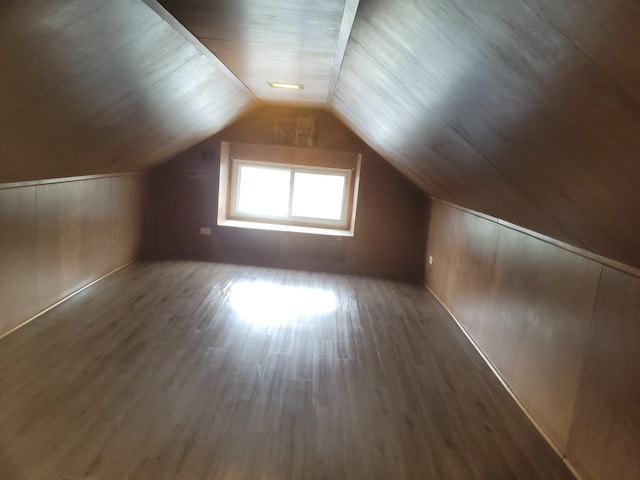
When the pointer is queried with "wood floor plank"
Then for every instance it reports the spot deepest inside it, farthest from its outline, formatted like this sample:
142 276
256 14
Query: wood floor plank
177 370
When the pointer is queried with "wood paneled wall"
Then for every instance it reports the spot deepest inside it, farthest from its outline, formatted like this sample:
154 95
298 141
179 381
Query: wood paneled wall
388 220
560 328
58 235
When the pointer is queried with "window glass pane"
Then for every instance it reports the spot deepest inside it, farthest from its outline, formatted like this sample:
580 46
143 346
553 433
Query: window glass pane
318 195
263 191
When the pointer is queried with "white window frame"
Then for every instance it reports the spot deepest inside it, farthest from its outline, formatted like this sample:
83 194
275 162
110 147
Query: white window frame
290 219
297 160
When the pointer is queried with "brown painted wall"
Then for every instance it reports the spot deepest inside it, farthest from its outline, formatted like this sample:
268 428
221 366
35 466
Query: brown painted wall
57 236
561 329
388 221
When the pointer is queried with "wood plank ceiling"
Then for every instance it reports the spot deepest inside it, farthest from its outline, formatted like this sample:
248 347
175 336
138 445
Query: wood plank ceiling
263 41
91 87
527 110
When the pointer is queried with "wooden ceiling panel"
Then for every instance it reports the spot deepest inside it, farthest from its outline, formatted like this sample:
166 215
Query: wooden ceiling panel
44 44
262 41
284 65
533 131
107 89
564 132
432 154
396 102
607 32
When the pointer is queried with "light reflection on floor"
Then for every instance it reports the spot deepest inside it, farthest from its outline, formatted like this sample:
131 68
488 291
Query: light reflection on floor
270 304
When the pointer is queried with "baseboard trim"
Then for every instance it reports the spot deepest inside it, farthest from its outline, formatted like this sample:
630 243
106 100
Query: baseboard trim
64 299
495 371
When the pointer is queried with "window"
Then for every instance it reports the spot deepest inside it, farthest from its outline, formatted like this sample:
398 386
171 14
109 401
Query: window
298 193
289 194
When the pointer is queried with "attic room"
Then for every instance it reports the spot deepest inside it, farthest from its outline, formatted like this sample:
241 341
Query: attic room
455 297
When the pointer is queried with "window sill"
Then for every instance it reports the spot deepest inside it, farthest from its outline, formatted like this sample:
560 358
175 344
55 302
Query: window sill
286 228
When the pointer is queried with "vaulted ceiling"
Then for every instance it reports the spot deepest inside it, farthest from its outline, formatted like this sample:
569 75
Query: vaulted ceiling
526 110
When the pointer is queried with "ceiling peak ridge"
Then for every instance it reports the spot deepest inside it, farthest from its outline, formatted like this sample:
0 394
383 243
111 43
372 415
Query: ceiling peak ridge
348 19
193 40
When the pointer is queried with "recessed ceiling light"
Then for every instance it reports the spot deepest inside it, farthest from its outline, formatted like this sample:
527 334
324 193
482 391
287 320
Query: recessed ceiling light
288 86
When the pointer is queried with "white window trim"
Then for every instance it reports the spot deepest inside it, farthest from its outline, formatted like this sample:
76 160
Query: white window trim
290 219
226 199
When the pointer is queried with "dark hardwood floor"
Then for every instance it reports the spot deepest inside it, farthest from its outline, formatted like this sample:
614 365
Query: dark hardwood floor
189 370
